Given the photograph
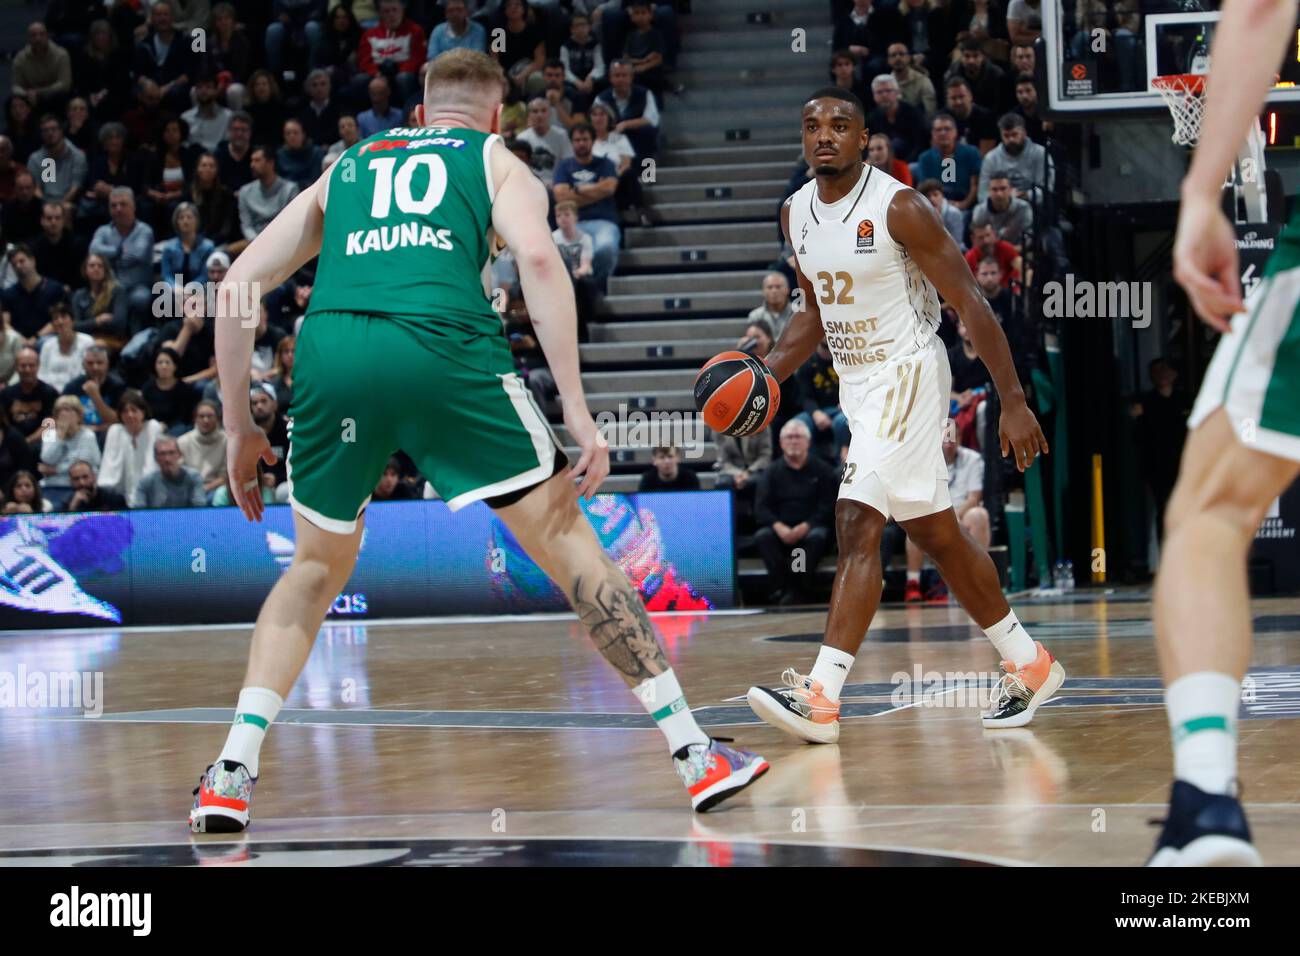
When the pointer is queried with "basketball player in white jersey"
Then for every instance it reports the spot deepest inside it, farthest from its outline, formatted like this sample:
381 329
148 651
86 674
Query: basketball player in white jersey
1242 453
870 254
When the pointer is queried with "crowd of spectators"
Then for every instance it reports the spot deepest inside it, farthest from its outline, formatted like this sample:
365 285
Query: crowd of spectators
146 143
135 163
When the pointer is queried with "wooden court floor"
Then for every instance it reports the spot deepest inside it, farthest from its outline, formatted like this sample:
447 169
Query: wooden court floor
508 742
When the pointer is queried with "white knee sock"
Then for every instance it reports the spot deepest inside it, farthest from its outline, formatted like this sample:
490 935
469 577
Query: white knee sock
254 713
832 670
1202 711
1012 640
663 700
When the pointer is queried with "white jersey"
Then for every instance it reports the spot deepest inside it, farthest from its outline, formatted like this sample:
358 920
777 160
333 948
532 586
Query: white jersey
877 307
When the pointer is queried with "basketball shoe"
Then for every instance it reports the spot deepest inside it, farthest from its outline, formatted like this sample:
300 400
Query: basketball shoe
713 772
223 798
800 708
1022 690
1203 829
912 593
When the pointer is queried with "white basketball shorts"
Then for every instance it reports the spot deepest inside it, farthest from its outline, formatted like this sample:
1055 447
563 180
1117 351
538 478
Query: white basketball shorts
897 420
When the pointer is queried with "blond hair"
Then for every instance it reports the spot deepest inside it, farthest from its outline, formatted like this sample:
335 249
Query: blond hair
72 403
464 80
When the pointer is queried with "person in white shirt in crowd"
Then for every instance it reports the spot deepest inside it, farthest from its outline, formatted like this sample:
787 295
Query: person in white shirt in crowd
128 447
776 309
617 148
549 143
203 448
966 488
62 353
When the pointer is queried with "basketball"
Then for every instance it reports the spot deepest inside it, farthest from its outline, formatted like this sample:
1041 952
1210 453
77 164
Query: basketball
736 394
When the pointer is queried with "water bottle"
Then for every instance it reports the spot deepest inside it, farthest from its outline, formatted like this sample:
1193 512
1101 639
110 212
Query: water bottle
1058 576
1069 575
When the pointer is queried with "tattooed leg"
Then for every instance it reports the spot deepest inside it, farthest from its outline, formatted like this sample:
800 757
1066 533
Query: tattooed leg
614 617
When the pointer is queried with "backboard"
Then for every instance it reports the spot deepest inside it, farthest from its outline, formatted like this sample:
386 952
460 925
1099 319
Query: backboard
1099 61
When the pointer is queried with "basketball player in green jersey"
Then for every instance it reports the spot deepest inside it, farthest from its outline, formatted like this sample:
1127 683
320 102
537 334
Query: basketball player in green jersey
1244 450
401 348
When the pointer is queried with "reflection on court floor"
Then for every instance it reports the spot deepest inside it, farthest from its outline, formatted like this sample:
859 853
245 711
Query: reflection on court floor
510 743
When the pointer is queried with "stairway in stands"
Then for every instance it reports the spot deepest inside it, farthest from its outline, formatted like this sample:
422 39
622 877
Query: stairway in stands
727 148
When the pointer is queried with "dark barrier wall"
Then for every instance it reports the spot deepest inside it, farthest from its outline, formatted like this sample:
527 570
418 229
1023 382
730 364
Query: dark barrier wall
417 558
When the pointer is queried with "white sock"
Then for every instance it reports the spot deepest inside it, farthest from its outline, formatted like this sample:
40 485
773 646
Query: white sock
1203 721
663 700
1012 640
913 577
256 710
832 670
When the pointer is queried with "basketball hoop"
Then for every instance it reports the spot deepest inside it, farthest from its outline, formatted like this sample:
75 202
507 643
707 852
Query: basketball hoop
1184 94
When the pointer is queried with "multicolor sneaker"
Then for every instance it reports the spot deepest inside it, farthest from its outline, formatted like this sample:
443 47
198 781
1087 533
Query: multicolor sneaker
801 709
222 799
713 772
1022 690
1203 829
912 593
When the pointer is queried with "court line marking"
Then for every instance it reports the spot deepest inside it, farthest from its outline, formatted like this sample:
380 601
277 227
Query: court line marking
368 622
712 838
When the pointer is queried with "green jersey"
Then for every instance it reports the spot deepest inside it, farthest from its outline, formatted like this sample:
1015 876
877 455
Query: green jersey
407 216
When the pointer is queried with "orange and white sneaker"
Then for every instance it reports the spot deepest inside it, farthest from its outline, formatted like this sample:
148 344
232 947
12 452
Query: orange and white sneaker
1022 690
713 772
800 708
223 799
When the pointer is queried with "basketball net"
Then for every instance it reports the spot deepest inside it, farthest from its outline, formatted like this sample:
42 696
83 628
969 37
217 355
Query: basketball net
1184 94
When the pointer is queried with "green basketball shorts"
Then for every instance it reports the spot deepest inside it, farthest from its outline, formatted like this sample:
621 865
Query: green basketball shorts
366 386
1255 372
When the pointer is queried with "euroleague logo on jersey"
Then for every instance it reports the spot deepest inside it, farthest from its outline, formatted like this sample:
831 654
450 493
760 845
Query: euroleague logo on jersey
866 234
